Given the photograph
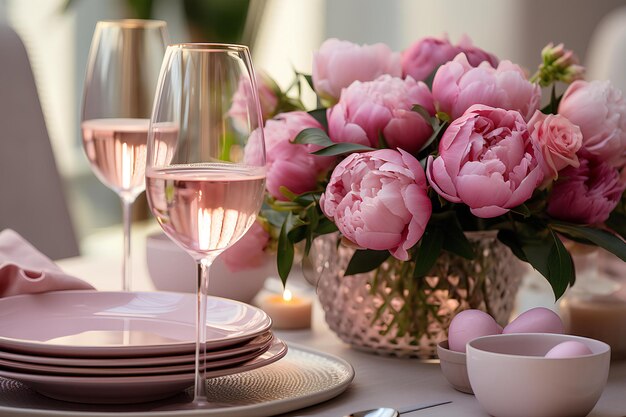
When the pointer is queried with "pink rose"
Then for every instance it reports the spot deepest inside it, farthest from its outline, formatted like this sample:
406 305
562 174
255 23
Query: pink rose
339 63
475 56
600 111
424 56
458 85
558 139
487 161
249 251
586 194
378 200
383 106
268 98
288 164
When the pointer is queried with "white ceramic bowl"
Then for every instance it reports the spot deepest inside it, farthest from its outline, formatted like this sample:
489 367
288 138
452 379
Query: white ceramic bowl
172 269
511 378
453 367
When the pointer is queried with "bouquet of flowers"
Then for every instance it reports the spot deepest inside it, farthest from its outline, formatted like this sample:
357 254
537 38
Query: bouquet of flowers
407 151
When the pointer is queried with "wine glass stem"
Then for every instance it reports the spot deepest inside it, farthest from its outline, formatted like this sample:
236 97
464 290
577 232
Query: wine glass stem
201 319
127 205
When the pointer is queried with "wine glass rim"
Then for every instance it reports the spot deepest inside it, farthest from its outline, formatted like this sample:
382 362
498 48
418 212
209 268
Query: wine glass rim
210 46
133 23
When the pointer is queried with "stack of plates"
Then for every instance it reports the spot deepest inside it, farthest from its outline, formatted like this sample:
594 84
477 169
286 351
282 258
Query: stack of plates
116 347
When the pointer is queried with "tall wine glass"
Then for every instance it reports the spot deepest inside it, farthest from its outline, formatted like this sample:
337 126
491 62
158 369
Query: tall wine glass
122 74
205 173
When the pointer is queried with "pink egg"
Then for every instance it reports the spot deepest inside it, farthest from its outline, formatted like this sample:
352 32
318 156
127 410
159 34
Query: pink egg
467 326
569 349
536 320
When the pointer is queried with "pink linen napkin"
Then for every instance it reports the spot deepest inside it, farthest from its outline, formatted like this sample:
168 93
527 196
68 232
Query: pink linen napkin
25 270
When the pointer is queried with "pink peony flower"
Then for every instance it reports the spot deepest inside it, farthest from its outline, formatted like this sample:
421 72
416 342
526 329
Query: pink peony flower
268 98
558 139
382 106
249 251
475 56
487 161
600 111
458 85
339 63
288 164
586 194
378 200
424 56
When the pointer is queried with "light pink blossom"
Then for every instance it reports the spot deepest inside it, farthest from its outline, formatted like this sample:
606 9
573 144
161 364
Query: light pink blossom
337 64
558 139
487 161
249 251
475 55
378 200
586 194
288 164
457 86
240 111
424 56
599 109
383 106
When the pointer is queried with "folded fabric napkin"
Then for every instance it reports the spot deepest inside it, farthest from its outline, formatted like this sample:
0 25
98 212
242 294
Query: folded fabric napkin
25 270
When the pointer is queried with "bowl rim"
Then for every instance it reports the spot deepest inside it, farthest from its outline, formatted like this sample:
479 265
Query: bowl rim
602 347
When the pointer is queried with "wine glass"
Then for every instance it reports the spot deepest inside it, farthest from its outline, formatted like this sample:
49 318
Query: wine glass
122 73
205 173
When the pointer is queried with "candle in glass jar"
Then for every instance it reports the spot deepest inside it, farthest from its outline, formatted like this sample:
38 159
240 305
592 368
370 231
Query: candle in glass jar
288 312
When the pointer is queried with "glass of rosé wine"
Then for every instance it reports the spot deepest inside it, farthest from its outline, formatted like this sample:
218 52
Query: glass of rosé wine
204 178
122 73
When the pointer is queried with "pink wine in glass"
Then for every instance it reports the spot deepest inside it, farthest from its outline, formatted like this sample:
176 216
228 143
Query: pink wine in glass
205 207
116 149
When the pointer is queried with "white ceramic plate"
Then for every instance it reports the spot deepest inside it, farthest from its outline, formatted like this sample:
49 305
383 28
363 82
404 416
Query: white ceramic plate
14 366
255 344
131 389
303 378
121 324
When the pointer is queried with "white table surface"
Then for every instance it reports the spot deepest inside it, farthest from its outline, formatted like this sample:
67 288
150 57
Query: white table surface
379 381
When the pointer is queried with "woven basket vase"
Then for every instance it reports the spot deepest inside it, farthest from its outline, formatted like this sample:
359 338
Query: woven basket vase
389 312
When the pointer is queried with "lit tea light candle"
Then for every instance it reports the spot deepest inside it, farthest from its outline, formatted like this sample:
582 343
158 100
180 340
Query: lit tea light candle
288 311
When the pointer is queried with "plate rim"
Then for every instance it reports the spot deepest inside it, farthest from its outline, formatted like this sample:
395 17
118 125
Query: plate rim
139 361
30 346
147 379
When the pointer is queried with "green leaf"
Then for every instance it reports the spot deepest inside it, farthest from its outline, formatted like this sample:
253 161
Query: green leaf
428 251
285 252
424 113
599 237
341 148
320 116
382 142
326 226
522 210
437 132
455 240
617 222
560 267
313 136
291 196
309 80
365 260
509 238
275 218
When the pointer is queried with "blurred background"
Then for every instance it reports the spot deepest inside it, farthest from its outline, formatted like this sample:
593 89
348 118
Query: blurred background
283 35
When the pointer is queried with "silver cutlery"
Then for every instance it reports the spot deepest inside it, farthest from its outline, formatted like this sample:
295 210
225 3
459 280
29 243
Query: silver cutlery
391 412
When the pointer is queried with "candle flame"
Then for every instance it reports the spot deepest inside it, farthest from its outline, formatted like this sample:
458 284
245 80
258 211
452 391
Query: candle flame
287 296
